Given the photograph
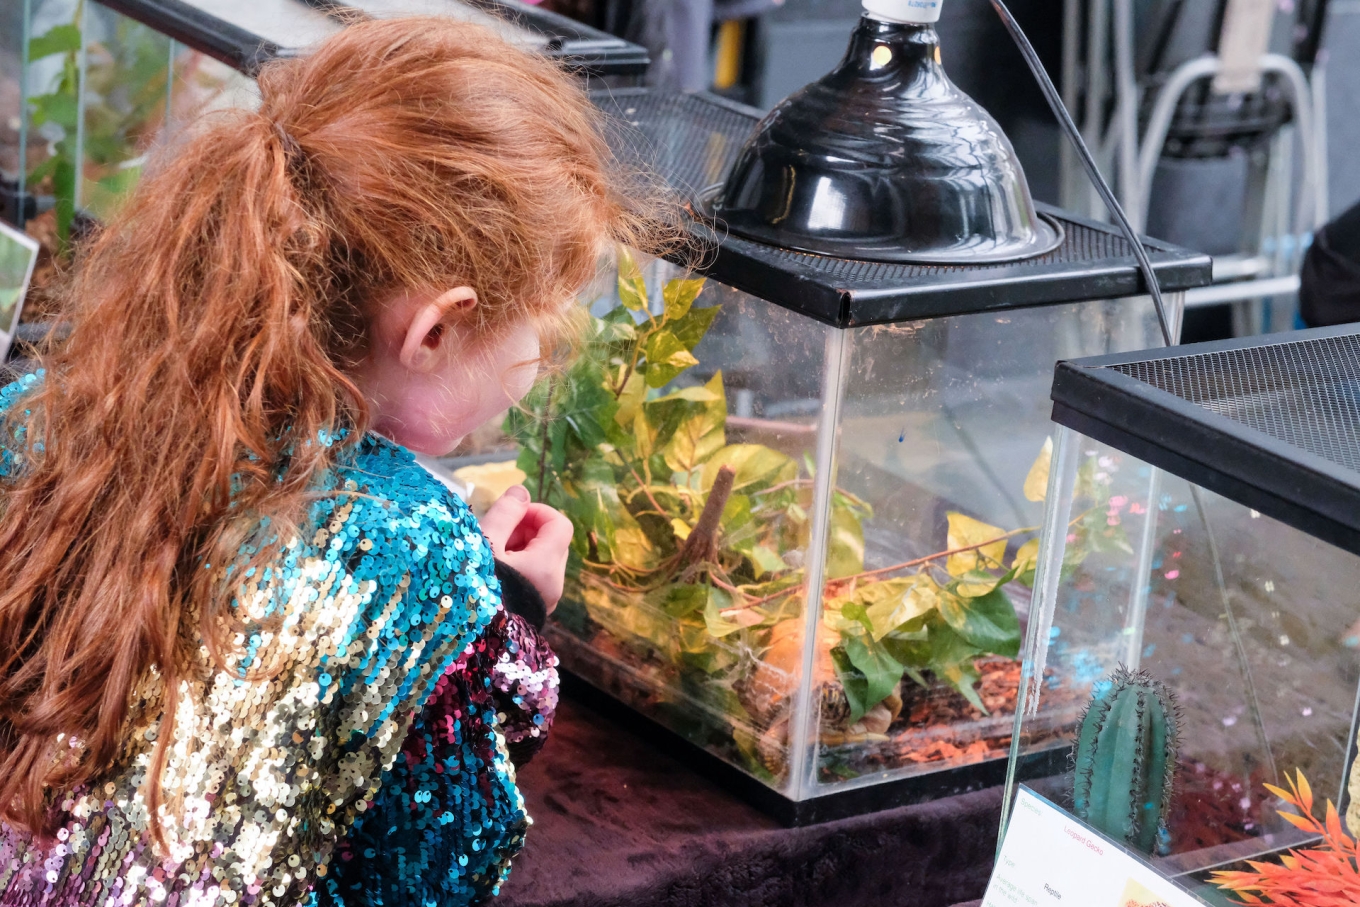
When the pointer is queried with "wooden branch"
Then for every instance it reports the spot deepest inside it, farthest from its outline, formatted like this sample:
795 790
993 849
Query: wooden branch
702 544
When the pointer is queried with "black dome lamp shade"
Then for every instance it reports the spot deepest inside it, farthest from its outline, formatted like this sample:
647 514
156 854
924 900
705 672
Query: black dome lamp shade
885 159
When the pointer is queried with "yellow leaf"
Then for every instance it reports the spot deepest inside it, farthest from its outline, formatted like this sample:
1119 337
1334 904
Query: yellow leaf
1027 558
845 546
887 613
644 435
632 289
634 393
966 532
1036 483
701 435
679 295
680 528
488 481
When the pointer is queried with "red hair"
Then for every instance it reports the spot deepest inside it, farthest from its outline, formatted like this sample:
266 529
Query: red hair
213 321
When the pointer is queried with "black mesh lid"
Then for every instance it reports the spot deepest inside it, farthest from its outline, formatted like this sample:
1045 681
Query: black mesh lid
692 139
1270 422
247 33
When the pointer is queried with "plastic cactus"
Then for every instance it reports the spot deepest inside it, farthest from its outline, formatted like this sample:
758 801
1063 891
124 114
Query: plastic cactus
1125 759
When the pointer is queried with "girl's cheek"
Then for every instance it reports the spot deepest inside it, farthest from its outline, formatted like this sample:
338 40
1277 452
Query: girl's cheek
520 380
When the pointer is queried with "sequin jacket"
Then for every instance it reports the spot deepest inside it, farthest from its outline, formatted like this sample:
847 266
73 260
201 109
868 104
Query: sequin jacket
370 765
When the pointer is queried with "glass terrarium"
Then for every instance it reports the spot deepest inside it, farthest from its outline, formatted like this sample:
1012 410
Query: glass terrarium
39 75
14 20
1196 585
807 490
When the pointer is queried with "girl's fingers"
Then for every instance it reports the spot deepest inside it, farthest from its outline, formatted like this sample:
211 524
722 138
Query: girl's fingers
542 528
504 518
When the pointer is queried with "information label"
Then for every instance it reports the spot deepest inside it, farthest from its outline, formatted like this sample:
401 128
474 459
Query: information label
1050 859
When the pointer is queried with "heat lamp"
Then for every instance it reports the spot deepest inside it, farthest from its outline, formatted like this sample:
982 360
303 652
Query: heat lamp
885 159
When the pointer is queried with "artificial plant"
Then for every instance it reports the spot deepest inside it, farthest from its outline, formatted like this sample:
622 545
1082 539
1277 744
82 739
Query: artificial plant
708 535
1125 759
1323 876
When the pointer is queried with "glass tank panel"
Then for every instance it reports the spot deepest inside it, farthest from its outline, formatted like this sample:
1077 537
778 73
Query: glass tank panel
124 106
791 532
944 443
13 40
1250 625
40 133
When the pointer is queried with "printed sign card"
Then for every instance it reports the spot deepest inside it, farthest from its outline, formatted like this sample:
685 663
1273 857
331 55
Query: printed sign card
18 252
1050 859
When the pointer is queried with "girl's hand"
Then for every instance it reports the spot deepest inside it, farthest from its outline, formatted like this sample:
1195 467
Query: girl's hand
532 538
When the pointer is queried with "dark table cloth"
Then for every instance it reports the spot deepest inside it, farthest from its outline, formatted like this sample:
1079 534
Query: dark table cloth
619 822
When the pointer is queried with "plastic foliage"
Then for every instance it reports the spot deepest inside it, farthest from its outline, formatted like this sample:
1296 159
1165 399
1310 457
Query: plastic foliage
1322 876
1124 760
712 533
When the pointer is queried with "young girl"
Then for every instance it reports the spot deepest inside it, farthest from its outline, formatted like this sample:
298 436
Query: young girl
251 653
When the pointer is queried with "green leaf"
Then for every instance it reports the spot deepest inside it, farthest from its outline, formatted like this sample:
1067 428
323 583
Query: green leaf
977 583
679 295
853 682
767 560
880 672
963 677
62 109
632 288
736 514
692 328
720 625
951 659
666 358
987 622
910 644
683 600
60 39
615 327
1036 482
965 532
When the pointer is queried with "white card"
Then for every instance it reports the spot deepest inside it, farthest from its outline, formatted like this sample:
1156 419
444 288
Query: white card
1050 859
18 254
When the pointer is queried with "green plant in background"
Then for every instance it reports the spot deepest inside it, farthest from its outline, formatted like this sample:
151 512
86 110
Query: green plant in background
126 85
694 544
60 107
1125 759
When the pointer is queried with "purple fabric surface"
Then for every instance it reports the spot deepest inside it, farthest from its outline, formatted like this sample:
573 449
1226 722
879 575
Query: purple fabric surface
617 822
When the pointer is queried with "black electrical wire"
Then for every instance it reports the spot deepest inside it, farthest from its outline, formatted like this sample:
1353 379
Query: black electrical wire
1074 135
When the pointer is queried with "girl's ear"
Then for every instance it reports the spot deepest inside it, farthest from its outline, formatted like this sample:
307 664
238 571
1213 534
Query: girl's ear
426 334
